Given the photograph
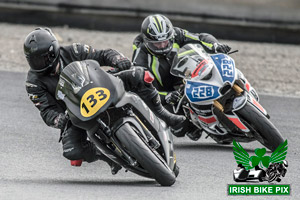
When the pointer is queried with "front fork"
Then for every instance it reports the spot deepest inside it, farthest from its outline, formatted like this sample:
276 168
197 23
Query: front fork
231 120
238 103
238 91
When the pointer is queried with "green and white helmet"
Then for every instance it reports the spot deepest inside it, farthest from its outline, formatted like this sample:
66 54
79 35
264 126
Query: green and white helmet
158 34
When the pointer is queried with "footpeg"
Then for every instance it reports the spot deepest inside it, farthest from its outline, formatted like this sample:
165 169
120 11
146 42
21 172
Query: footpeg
195 135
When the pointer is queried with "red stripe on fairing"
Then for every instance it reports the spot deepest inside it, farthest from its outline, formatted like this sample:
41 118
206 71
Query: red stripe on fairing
247 86
199 67
258 105
207 120
238 123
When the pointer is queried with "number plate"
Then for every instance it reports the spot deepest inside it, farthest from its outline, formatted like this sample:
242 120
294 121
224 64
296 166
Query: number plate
227 67
202 92
93 100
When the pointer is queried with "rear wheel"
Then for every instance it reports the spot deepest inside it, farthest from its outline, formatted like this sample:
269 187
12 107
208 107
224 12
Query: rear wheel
149 159
269 135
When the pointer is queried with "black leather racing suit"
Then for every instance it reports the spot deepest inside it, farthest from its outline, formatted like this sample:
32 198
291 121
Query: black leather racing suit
160 66
41 91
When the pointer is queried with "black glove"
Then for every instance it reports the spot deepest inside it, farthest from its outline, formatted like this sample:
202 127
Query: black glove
122 63
61 120
221 48
173 97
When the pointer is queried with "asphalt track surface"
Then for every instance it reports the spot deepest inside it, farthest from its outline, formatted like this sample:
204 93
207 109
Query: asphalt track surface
32 165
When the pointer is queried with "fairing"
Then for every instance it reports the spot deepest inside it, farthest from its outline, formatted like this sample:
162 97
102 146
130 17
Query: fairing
205 75
88 90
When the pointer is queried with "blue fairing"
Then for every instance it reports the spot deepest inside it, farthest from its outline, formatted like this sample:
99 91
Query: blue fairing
225 66
197 91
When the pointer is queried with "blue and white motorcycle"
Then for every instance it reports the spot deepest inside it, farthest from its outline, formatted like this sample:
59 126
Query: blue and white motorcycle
220 101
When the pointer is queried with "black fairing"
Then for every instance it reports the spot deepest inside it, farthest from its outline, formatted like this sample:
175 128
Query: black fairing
79 77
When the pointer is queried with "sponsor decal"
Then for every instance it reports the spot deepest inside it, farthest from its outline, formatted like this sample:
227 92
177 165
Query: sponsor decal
33 97
61 82
69 150
30 85
86 48
75 47
151 116
60 95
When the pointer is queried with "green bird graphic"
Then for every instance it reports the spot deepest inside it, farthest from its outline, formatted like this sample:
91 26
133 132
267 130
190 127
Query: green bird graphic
242 157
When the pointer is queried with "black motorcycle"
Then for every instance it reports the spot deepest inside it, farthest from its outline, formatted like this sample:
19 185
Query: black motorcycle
119 123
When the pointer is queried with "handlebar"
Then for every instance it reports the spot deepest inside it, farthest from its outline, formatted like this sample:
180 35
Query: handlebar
235 51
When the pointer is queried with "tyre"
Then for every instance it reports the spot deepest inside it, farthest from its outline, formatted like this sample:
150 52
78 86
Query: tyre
145 156
269 135
176 170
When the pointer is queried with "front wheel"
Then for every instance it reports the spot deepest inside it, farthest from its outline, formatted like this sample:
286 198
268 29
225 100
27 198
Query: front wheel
146 157
269 135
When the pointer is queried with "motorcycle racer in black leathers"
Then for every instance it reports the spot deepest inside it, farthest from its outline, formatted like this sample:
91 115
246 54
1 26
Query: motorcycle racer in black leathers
156 48
47 58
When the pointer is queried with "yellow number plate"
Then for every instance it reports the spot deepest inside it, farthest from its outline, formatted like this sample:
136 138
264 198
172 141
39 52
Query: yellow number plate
93 100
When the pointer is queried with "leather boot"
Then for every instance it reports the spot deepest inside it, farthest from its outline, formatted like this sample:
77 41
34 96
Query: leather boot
169 118
155 105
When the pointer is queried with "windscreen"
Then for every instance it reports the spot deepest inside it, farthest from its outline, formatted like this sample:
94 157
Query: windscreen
76 74
74 77
191 58
189 66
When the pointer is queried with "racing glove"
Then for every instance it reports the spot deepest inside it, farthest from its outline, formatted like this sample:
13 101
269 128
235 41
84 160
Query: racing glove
172 97
61 120
221 48
121 63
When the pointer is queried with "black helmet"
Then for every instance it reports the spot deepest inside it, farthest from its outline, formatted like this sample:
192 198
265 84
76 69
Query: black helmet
158 34
41 49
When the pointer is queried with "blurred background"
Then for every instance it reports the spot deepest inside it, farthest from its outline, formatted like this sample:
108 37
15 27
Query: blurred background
266 32
248 20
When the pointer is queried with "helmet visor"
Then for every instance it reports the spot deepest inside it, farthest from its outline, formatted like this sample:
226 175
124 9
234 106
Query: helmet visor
40 63
159 46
